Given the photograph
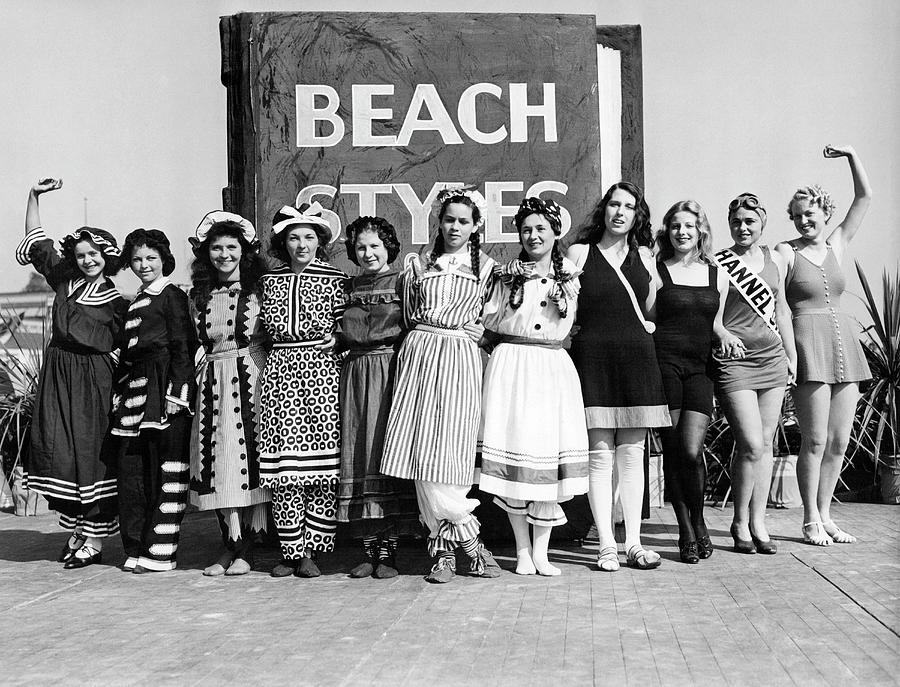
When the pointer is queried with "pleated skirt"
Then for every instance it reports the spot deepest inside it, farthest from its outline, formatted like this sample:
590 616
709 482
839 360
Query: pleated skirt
433 424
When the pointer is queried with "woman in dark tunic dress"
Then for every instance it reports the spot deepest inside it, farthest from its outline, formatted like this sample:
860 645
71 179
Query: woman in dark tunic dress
615 357
69 458
377 508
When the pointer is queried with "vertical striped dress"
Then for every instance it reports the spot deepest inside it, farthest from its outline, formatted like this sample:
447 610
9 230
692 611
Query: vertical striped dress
433 425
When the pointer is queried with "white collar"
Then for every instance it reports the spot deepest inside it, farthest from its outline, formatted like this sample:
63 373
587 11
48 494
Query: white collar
157 286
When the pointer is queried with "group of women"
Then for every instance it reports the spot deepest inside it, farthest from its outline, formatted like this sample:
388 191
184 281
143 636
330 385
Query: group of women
364 400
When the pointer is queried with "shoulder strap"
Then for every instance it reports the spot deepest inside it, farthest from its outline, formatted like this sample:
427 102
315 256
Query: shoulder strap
664 273
647 324
753 288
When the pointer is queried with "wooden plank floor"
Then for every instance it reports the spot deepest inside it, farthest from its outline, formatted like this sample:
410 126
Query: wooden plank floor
806 616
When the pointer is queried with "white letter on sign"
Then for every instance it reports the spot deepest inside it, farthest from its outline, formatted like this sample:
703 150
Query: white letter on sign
468 118
366 193
307 194
426 94
565 219
364 114
520 111
493 226
420 210
308 115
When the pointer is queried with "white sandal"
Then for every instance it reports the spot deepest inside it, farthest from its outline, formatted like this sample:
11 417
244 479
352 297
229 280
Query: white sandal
608 559
837 535
819 536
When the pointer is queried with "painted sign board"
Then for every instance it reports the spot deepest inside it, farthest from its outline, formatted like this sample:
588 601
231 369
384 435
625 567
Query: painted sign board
373 114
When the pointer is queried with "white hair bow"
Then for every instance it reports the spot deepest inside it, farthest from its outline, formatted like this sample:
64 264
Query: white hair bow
312 215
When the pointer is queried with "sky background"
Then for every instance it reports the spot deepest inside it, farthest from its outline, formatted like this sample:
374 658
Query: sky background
123 101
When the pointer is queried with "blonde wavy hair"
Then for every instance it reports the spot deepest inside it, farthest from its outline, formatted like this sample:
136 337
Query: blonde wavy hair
815 195
703 252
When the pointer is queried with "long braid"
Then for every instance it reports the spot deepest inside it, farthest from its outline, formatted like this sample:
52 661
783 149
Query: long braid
559 274
517 287
436 252
475 252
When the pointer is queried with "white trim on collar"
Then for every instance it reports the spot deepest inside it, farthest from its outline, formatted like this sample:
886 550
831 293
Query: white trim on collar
155 288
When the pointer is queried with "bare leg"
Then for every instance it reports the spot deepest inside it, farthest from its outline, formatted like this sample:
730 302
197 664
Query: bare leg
769 411
844 398
742 410
813 401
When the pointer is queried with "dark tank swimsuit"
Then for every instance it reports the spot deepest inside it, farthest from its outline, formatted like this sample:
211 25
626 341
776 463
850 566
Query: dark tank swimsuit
684 335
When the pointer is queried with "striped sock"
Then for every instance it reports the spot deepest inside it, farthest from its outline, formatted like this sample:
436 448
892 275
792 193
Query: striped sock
388 546
471 547
370 546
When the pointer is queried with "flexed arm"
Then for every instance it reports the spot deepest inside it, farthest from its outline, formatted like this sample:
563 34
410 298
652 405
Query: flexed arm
32 211
862 195
36 248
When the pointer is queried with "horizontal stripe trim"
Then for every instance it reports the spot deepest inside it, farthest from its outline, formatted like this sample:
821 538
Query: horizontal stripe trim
166 528
27 243
519 490
151 564
512 455
71 492
163 550
169 507
518 473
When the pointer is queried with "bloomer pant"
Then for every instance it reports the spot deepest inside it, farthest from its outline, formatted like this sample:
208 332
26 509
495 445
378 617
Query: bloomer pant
153 493
306 517
540 513
447 514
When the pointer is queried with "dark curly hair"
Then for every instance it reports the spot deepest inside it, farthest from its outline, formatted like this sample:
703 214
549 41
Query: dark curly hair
151 238
378 225
113 264
639 234
204 276
277 248
474 237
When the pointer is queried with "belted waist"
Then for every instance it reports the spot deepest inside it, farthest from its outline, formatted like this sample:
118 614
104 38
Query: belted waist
309 343
527 341
371 350
459 333
234 353
817 311
75 348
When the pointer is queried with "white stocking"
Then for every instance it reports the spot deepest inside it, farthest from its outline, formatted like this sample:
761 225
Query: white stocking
600 467
630 465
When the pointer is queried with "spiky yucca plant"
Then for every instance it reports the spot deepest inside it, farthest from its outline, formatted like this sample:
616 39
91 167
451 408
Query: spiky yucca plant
877 423
21 365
